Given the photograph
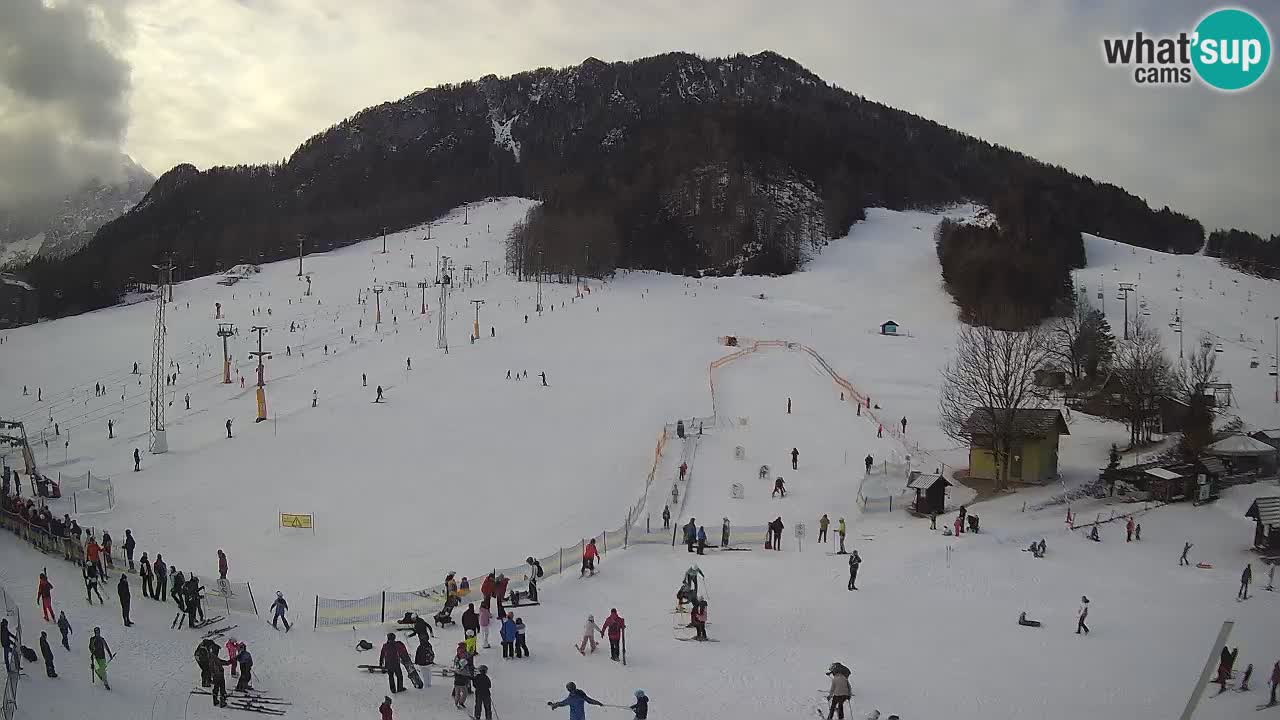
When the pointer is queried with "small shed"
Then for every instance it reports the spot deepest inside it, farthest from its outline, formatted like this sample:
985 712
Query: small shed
931 492
888 327
1166 484
1265 512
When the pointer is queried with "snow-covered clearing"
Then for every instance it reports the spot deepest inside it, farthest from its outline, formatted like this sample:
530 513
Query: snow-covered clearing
463 469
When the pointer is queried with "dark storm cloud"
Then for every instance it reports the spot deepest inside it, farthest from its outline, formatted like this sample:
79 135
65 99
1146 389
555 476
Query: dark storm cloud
63 95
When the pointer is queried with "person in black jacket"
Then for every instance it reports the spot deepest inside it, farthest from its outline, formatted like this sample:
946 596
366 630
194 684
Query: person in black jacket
483 688
91 583
191 591
129 545
641 706
145 572
162 575
47 653
470 619
122 589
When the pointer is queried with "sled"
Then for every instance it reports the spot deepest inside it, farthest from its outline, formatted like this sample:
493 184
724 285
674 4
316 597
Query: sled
1205 566
690 639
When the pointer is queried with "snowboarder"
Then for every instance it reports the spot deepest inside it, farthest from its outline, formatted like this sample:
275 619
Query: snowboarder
589 555
1182 560
614 626
64 627
841 531
46 652
691 533
840 691
483 687
854 561
389 659
228 427
641 706
1245 578
576 701
122 590
1128 530
724 533
1082 614
778 487
867 461
795 459
666 517
222 564
823 523
99 651
129 545
44 595
278 608
589 631
379 398
137 460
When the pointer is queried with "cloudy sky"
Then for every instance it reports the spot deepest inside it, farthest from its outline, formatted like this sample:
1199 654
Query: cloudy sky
242 81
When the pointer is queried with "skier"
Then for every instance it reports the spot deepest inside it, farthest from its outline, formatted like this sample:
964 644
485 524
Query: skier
507 634
315 397
522 647
823 523
1137 532
483 687
698 619
222 565
684 469
788 406
245 661
867 461
389 659
193 591
161 571
364 380
46 652
218 675
1245 578
589 631
93 556
111 429
544 378
44 594
779 487
880 430
576 701
841 530
666 517
122 590
691 533
278 608
64 627
99 651
137 460
614 626
854 561
129 545
724 533
201 656
691 579
228 427
187 397
91 584
486 618
1082 614
839 692
589 555
795 459
379 398
1128 530
641 706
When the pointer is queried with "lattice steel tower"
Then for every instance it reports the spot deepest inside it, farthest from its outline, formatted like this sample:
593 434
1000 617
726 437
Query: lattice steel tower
157 442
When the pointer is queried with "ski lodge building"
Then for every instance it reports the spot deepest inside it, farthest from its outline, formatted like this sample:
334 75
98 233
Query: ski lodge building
1034 456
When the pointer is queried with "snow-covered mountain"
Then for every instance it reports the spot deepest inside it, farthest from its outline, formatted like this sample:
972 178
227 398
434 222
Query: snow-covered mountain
62 227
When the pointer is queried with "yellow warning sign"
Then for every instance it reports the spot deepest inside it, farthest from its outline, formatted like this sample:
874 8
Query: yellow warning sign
296 520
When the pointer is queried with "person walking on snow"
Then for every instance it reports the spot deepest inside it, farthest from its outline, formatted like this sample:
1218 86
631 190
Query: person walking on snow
589 630
691 533
1275 681
684 469
666 517
724 533
137 460
867 461
99 651
577 702
1182 560
854 561
483 687
841 531
614 626
1128 530
188 399
228 427
161 571
129 545
222 565
8 642
880 430
46 652
389 659
379 398
544 378
278 608
702 539
64 627
315 397
1245 578
122 590
904 424
384 710
823 523
788 406
589 555
486 617
44 595
795 459
1082 614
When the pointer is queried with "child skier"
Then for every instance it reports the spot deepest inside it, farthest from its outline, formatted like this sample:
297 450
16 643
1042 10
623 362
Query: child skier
641 706
589 631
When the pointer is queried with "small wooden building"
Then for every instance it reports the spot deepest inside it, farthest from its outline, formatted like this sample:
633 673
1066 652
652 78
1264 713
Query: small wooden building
931 492
1034 456
1265 512
889 327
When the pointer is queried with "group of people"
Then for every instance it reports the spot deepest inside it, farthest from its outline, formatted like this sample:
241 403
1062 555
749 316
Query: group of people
213 667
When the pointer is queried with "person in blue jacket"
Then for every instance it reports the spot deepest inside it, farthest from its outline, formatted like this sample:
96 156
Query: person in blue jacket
577 702
702 539
508 635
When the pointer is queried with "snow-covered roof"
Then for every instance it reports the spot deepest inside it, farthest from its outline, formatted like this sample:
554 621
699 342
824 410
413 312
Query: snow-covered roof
1163 473
1028 422
1265 510
923 481
1272 434
1240 446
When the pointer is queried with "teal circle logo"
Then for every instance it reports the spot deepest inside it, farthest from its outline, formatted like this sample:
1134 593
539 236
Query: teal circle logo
1232 49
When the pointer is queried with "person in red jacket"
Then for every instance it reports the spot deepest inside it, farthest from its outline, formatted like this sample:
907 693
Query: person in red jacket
488 587
44 593
613 626
385 708
589 555
684 469
222 564
500 592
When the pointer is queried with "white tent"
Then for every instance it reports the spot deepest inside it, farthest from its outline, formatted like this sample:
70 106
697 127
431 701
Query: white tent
1240 446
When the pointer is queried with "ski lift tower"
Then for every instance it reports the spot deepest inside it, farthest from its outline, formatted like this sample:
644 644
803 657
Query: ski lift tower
442 340
157 441
226 330
261 391
1125 289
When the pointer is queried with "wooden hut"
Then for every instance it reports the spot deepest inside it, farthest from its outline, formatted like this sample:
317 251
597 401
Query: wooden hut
1265 512
931 492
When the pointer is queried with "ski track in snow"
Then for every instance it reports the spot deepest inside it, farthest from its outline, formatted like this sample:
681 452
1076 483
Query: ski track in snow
462 469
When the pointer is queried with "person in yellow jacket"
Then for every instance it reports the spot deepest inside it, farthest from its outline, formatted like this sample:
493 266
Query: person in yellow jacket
841 530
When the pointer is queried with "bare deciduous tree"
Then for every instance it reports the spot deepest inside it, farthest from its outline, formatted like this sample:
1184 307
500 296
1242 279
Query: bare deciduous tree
986 385
1143 374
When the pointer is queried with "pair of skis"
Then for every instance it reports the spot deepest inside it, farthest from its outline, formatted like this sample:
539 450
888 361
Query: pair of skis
219 632
177 621
252 702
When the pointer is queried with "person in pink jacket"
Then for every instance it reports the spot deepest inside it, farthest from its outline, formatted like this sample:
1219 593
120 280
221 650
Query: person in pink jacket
233 649
485 617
